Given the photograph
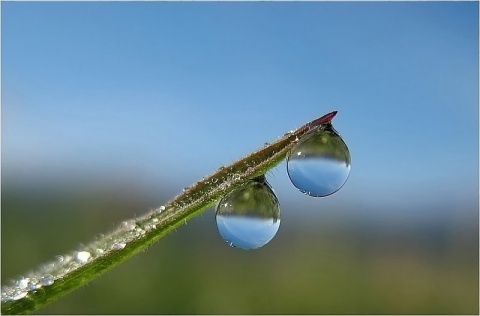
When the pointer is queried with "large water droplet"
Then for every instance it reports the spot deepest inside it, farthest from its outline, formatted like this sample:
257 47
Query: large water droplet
319 164
249 216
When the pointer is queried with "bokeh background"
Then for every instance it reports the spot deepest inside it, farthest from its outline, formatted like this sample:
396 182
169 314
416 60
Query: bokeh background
110 109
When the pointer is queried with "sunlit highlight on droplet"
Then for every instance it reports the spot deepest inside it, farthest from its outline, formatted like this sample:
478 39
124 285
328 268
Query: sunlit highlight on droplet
83 256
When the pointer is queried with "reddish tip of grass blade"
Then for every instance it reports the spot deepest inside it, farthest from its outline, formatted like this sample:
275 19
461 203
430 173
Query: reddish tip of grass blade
325 119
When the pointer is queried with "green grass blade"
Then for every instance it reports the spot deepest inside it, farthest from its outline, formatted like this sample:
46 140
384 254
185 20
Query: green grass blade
66 273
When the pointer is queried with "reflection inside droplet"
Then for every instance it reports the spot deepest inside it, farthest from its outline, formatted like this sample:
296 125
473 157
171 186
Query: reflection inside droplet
319 164
249 216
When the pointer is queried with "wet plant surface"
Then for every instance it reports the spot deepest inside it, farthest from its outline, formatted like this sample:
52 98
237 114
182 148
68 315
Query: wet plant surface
67 272
318 165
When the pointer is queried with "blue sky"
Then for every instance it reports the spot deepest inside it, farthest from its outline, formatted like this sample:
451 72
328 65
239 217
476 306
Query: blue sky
166 92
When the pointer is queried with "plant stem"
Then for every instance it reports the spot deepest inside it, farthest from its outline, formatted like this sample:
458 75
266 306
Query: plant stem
68 272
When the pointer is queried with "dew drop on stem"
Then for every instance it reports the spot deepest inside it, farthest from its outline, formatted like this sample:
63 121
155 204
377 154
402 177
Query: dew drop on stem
46 280
249 216
82 256
118 246
319 165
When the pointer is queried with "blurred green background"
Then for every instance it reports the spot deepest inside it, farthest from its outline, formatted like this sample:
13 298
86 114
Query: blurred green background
326 264
110 109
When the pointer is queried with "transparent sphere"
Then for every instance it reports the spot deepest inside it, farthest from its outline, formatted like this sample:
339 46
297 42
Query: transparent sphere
319 164
249 216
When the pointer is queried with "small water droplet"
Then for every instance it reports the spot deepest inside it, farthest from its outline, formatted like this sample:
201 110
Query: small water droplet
185 189
319 165
82 256
22 283
249 216
118 245
139 231
18 294
46 280
99 251
33 284
266 144
129 225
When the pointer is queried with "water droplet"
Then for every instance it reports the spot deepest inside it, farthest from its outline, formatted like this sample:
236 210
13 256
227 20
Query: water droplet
129 225
161 208
22 283
99 251
33 284
319 164
46 280
18 294
249 216
118 245
224 185
139 232
82 256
